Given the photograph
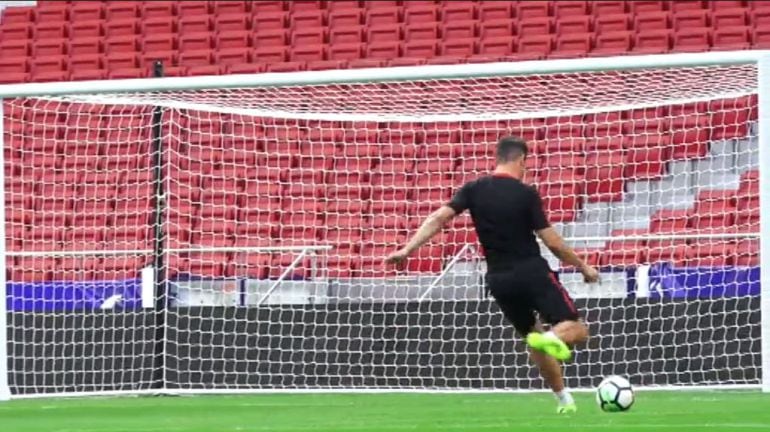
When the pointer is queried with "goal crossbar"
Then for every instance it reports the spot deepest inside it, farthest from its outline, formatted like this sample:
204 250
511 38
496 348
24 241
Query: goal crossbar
372 75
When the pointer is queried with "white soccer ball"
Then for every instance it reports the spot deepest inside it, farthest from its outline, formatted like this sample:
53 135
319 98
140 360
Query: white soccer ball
614 394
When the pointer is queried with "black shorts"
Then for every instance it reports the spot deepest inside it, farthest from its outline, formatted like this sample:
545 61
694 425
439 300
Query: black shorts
531 286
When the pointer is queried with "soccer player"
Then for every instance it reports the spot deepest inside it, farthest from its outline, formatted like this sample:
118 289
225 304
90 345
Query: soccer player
506 213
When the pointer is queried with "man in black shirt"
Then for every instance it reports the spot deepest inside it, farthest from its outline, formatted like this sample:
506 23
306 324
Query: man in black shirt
507 214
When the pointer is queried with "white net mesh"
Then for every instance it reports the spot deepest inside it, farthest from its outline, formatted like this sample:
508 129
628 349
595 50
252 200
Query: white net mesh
279 204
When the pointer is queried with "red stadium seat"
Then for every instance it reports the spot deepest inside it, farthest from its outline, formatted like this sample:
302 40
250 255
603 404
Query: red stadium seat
611 23
535 26
459 30
458 11
614 43
640 6
308 36
231 22
262 7
565 9
113 10
341 52
646 163
458 48
158 26
382 16
233 40
232 56
689 136
649 21
121 45
195 42
346 35
623 254
21 31
345 18
195 24
652 42
602 7
573 25
669 221
14 48
729 38
156 9
383 50
89 11
420 14
537 45
532 9
231 7
306 5
679 6
572 45
52 12
421 32
85 29
383 33
121 28
192 8
729 18
159 43
690 19
731 4
269 21
747 252
340 5
497 28
695 39
270 38
710 254
49 30
19 14
49 47
83 62
307 19
307 53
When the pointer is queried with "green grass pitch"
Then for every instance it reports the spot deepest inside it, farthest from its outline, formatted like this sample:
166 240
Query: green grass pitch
654 411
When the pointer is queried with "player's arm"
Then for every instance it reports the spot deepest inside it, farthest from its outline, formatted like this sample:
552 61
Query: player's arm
554 241
432 225
565 253
429 228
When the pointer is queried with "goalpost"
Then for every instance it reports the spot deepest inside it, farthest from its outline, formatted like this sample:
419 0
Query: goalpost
225 234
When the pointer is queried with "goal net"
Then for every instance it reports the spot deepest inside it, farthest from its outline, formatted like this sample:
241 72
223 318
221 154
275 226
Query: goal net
231 239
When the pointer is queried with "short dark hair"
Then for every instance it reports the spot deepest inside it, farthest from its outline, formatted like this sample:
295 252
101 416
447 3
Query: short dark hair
511 148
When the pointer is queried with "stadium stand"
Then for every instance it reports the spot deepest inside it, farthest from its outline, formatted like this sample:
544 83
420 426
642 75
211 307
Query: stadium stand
56 41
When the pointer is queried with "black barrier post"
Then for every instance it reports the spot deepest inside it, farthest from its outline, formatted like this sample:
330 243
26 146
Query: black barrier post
159 204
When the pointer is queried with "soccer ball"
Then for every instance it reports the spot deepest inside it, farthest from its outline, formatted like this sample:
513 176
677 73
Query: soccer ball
615 394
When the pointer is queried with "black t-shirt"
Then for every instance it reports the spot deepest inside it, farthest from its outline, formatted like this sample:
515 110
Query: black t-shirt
506 212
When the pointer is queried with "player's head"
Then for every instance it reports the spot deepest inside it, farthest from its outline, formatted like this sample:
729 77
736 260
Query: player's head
512 151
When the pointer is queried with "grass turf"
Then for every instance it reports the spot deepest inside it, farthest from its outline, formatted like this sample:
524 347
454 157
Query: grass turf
653 411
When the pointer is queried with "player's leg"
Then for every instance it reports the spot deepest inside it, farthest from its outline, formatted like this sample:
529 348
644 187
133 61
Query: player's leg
556 308
518 310
550 370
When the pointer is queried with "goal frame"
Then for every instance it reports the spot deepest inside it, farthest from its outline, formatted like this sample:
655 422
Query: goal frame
599 64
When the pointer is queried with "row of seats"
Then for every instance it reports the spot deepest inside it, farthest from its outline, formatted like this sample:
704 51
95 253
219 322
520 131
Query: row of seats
364 263
314 44
414 26
406 10
206 60
100 40
714 253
